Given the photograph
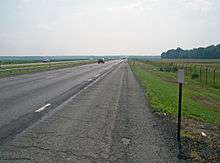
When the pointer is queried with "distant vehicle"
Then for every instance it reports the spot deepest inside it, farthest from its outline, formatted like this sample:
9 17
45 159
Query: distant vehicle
101 60
46 60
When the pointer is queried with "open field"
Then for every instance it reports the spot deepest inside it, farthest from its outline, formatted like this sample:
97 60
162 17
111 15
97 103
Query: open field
26 68
200 101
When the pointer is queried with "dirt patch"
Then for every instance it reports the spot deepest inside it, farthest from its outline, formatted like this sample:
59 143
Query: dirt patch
200 141
196 129
200 151
207 102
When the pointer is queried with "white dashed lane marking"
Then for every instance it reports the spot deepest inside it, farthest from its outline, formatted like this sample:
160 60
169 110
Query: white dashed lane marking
42 108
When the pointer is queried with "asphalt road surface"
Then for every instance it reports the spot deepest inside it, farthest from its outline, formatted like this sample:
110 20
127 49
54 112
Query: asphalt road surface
91 113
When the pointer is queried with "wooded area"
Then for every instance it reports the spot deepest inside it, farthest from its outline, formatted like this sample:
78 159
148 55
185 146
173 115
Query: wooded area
210 52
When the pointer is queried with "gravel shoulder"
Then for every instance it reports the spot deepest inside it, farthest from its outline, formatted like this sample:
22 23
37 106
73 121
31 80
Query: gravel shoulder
109 121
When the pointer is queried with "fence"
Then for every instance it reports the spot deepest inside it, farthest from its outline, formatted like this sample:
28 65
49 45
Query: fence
205 74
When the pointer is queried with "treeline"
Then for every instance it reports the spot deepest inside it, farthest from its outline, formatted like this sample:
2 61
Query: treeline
210 52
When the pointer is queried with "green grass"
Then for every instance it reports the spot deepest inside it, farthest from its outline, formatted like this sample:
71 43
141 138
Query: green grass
3 62
18 69
201 103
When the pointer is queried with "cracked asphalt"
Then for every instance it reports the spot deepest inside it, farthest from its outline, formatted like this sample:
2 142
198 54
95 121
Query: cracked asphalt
109 122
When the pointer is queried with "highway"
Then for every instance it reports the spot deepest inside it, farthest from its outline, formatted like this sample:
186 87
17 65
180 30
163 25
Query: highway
91 113
21 96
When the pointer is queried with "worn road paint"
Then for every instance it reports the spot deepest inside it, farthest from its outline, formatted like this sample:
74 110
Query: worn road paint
42 108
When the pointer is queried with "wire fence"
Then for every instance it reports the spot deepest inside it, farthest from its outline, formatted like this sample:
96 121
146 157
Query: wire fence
203 73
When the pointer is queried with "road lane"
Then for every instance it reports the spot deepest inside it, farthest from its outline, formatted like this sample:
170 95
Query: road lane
24 94
108 122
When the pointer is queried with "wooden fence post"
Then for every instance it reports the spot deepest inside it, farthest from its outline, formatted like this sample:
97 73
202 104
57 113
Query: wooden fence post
200 74
214 77
206 75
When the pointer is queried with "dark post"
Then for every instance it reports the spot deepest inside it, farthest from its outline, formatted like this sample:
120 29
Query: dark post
200 73
206 75
181 82
179 111
214 77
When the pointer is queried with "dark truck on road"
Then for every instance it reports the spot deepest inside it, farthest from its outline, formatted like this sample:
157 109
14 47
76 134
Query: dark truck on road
101 60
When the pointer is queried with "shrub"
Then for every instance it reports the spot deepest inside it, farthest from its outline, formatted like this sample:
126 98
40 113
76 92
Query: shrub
194 75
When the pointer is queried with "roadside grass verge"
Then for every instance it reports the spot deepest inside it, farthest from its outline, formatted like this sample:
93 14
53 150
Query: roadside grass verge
200 103
16 69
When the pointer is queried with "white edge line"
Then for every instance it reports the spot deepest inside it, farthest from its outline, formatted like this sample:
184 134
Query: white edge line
42 108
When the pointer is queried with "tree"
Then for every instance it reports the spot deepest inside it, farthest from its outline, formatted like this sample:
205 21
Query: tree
210 52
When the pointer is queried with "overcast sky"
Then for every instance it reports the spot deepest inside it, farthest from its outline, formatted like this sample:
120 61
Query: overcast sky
58 27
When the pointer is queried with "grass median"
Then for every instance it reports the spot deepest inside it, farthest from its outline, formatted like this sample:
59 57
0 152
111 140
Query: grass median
19 69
